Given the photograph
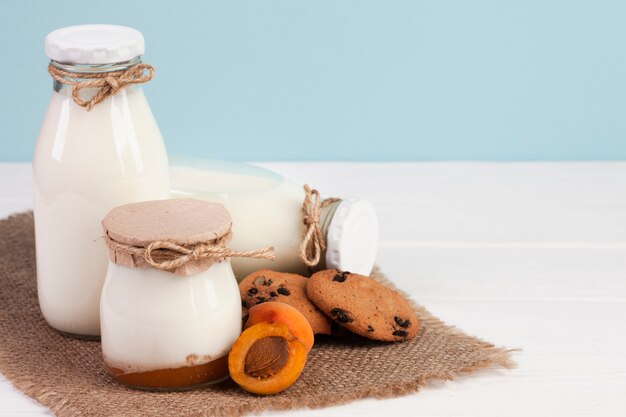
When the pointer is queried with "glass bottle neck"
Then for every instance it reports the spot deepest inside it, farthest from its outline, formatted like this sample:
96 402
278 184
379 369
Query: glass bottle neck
91 69
326 217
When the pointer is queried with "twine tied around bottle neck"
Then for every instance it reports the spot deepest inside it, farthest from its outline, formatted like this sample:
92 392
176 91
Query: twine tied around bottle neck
314 242
107 83
169 256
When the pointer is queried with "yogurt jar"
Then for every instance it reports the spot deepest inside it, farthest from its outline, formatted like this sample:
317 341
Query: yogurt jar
170 308
269 210
90 157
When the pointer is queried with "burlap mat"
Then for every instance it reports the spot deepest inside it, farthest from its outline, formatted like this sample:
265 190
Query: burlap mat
68 376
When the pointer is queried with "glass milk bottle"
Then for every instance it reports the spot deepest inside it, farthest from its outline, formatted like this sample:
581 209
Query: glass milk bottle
99 147
267 210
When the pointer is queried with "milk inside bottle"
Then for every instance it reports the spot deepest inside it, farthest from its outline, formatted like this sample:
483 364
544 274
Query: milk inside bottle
267 210
99 147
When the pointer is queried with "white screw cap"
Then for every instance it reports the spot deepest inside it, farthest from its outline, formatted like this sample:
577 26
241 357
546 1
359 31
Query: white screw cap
352 237
94 44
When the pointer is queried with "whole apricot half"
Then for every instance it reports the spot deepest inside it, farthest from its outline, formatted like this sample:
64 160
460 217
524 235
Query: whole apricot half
266 359
276 312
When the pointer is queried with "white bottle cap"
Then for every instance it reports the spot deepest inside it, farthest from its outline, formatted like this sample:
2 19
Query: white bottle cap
352 237
94 44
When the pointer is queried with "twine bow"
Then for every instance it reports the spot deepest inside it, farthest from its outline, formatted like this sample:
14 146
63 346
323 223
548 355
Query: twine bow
169 256
313 242
107 83
181 255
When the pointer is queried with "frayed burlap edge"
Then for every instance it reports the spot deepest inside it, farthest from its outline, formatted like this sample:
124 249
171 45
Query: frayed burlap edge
490 357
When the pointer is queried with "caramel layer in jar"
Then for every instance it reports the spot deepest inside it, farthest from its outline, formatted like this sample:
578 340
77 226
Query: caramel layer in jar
174 378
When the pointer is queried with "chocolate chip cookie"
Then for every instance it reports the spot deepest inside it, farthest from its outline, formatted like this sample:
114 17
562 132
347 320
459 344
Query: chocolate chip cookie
265 285
363 306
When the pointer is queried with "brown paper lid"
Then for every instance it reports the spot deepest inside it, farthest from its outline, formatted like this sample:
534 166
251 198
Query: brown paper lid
184 222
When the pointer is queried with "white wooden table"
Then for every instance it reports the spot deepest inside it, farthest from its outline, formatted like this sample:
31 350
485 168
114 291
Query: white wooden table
529 255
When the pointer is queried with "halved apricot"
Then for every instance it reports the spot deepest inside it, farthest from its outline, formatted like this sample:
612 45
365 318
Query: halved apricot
266 359
276 312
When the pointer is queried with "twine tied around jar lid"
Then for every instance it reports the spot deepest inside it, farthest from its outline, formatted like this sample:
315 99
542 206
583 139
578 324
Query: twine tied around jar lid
169 256
181 236
107 83
314 242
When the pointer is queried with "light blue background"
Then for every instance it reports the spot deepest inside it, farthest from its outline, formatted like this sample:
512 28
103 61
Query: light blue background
351 80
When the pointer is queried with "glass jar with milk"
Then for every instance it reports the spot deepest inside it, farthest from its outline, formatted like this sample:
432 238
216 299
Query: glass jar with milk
170 307
99 147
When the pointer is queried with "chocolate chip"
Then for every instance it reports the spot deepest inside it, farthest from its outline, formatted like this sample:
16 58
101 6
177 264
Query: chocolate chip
400 333
244 304
273 294
370 329
402 323
268 282
252 291
260 300
341 316
339 278
283 291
